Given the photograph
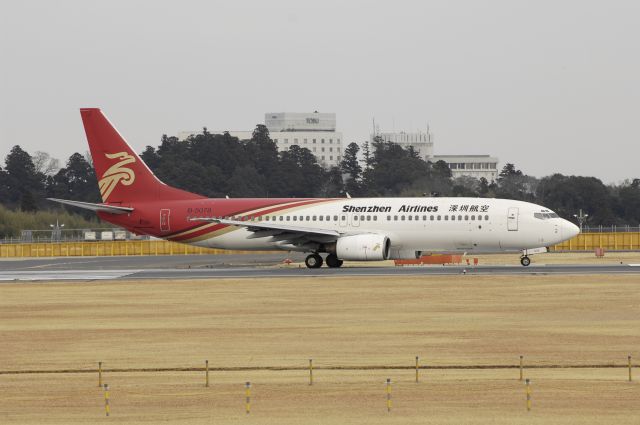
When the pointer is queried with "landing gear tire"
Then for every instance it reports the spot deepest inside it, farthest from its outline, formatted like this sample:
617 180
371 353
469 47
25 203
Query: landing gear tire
525 261
313 261
333 261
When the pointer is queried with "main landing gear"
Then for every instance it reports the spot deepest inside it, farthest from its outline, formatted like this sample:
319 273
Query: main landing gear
333 261
314 261
525 261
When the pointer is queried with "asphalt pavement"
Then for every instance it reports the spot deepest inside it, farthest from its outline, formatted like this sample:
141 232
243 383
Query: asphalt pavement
252 266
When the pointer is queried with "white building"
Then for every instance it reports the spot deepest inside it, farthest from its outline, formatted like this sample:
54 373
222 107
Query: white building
300 121
422 142
461 165
314 130
471 165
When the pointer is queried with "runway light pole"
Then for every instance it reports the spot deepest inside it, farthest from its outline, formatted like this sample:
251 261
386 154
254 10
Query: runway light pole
56 233
582 218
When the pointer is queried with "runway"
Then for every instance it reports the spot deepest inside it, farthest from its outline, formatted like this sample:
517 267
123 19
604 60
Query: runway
253 266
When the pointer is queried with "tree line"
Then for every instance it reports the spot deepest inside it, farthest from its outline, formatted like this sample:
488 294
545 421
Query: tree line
219 165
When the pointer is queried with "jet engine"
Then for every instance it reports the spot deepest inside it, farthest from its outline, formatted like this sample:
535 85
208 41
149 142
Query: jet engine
365 247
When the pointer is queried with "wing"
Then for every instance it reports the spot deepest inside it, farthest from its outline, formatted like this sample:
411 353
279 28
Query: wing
295 235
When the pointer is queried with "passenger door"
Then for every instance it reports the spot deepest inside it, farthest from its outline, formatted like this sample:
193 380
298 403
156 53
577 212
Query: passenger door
512 219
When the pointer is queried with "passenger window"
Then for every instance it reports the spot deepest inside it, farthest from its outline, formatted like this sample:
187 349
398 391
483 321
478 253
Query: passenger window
402 217
355 218
439 218
288 218
486 217
295 218
479 217
453 217
395 218
368 218
301 218
459 218
473 218
321 217
314 218
424 217
361 218
375 218
431 218
410 217
466 218
308 218
388 218
446 218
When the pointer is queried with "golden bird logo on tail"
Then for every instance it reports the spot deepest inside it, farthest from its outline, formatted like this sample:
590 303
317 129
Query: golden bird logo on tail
117 173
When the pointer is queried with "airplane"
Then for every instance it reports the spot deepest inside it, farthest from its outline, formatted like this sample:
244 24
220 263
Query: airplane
345 229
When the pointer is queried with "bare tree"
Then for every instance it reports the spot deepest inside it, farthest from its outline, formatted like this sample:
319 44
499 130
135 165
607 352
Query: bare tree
45 164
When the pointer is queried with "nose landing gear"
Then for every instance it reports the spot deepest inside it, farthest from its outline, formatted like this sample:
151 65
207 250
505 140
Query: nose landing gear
525 261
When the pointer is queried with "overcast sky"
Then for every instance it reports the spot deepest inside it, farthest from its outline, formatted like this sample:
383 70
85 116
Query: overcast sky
552 86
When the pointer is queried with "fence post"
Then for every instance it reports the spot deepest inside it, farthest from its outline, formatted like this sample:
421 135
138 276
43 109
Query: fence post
100 374
629 364
388 394
521 368
106 400
417 370
528 386
206 366
310 371
248 397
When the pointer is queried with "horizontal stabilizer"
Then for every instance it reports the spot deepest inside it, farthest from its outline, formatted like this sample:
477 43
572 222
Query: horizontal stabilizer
94 207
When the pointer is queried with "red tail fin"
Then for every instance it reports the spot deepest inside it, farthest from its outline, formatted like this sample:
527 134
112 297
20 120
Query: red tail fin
122 176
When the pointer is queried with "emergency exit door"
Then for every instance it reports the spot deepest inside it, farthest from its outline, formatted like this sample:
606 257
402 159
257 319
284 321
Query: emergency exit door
512 219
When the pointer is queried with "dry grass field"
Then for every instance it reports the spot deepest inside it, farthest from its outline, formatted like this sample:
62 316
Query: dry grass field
457 320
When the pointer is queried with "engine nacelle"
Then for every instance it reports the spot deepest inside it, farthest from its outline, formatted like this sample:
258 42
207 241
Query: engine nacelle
365 247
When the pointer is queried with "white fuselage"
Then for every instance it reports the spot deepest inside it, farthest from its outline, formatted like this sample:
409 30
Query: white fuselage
418 224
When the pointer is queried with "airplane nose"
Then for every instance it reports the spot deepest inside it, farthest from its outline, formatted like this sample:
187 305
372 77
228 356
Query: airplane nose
568 229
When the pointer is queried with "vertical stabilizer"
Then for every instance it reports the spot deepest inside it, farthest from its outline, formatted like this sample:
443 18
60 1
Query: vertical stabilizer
122 176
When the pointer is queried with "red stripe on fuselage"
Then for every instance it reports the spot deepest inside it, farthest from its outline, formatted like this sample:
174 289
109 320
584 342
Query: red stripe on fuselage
279 207
232 212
